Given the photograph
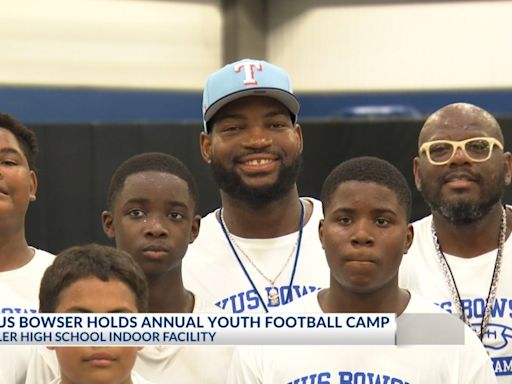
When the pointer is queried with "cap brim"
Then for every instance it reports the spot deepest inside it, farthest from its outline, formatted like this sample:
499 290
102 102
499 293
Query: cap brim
286 98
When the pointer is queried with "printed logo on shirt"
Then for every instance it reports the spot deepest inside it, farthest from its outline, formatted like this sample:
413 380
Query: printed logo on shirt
347 377
498 334
249 301
17 310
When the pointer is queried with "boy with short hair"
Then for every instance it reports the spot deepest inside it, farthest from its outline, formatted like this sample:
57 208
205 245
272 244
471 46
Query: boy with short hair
364 233
94 278
152 214
21 266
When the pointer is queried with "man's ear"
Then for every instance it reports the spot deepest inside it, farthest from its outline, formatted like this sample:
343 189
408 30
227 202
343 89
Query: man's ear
507 167
298 134
107 222
205 145
416 172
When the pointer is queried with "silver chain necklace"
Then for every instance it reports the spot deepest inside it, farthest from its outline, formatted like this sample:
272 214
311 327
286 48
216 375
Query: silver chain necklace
452 285
273 293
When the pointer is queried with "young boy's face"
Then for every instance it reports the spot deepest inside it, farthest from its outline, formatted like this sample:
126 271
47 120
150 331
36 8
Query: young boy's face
17 182
96 365
364 234
153 219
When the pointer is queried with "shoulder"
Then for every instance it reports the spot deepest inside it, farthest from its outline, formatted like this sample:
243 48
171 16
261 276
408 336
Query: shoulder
311 226
422 246
424 222
209 230
305 304
316 205
138 379
41 260
421 304
39 254
201 305
210 239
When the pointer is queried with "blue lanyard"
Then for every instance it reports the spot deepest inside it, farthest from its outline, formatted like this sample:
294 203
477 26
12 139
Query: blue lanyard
299 242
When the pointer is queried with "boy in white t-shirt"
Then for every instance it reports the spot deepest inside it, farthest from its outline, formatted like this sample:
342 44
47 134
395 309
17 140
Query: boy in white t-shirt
365 232
152 214
21 266
94 279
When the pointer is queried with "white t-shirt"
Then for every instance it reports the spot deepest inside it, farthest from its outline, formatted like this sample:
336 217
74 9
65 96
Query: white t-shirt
160 364
211 269
13 363
25 281
420 271
351 364
8 364
19 290
136 379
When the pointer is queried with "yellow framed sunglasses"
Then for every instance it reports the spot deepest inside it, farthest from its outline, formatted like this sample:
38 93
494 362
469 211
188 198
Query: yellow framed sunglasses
477 149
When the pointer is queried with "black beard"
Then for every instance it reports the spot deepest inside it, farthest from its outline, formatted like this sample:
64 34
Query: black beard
232 184
463 211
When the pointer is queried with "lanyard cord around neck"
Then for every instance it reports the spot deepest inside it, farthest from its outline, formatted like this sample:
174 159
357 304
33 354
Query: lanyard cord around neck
452 285
297 251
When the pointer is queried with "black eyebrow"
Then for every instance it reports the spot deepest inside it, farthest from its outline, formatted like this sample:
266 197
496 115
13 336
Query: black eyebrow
143 200
272 113
378 211
79 309
8 150
277 113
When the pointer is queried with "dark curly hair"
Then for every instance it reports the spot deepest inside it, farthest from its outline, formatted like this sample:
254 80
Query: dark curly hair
92 260
368 169
25 136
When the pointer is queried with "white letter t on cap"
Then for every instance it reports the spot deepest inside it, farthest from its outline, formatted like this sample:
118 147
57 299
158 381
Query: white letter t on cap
249 72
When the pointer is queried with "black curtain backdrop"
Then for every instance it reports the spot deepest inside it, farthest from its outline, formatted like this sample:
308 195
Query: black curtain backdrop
76 162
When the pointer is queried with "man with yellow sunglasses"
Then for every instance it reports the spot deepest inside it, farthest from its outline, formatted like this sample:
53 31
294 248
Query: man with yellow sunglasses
461 256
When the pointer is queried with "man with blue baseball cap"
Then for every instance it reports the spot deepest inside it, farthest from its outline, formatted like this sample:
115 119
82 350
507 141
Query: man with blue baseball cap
261 249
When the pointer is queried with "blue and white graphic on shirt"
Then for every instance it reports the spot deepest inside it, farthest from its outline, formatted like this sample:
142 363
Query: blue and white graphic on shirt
364 364
348 377
17 309
497 335
249 300
420 271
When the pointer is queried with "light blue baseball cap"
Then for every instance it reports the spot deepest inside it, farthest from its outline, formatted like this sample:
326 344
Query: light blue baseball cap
244 78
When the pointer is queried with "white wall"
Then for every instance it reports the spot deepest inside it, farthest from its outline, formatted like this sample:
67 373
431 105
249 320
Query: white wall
401 46
326 45
109 43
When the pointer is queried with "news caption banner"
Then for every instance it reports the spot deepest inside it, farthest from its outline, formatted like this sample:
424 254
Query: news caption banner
78 329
